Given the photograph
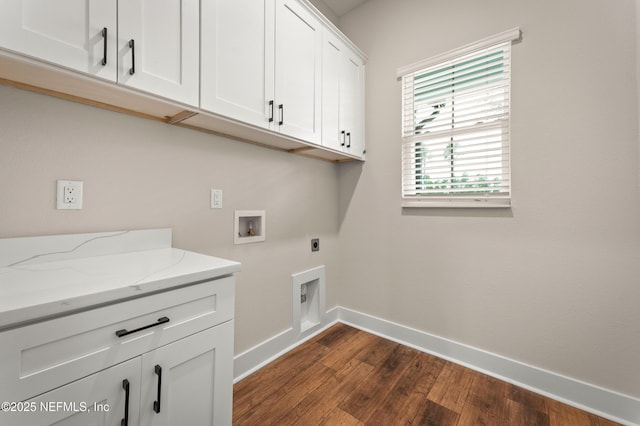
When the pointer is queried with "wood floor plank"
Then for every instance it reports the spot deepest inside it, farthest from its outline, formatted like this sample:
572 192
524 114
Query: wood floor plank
279 403
599 421
452 387
273 377
563 415
525 407
318 405
520 414
373 390
340 418
432 414
527 398
336 335
345 376
377 352
409 396
355 344
486 402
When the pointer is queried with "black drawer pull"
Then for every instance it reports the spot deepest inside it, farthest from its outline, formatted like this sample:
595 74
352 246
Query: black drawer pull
124 332
271 112
156 404
125 386
104 46
132 44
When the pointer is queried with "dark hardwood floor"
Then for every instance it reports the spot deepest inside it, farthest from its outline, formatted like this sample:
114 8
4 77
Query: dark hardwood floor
345 376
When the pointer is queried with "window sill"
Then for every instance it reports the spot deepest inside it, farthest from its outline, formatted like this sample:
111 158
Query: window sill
456 203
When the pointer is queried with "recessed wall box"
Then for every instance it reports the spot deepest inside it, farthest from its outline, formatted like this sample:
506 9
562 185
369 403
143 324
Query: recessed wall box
250 226
308 301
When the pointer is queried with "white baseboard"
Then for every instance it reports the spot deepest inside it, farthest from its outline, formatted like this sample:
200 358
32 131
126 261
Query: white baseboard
262 354
612 405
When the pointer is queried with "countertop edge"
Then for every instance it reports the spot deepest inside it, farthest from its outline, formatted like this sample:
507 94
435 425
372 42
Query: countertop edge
12 319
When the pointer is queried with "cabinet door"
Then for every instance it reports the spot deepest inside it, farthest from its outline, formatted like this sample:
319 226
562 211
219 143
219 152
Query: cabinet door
298 56
97 400
332 126
158 47
342 103
68 33
237 59
351 102
190 382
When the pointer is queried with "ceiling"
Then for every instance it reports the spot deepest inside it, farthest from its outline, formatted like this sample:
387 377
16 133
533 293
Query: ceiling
340 7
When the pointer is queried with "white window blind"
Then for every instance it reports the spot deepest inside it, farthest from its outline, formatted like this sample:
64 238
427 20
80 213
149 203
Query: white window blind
455 127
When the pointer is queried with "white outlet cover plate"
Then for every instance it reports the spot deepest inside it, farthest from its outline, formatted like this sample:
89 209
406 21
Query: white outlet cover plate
216 198
75 186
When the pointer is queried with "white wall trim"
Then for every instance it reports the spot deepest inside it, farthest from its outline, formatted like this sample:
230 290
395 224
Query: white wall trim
602 402
606 403
271 349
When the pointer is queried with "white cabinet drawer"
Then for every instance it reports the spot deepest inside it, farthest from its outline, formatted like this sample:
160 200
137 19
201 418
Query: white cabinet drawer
45 355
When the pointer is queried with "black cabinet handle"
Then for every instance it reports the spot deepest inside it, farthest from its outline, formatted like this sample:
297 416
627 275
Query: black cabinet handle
271 112
349 139
156 404
281 108
343 138
124 332
104 52
132 70
125 386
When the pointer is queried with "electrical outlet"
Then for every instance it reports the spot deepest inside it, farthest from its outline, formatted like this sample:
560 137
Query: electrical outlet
315 244
69 195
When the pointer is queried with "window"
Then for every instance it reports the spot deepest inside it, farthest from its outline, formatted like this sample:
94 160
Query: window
455 127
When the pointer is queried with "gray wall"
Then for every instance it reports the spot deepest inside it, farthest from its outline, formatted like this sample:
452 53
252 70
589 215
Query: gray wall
142 174
554 281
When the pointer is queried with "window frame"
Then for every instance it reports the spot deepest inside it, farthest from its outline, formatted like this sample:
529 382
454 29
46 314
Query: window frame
463 199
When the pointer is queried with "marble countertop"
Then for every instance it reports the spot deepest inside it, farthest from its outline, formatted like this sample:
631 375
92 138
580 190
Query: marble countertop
43 277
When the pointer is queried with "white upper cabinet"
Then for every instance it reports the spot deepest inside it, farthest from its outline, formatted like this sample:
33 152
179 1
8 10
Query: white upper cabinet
352 102
77 34
298 75
342 97
274 72
261 64
151 45
237 59
159 48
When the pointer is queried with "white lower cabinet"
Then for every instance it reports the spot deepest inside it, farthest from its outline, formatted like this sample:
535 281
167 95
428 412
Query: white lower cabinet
108 398
187 383
164 359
